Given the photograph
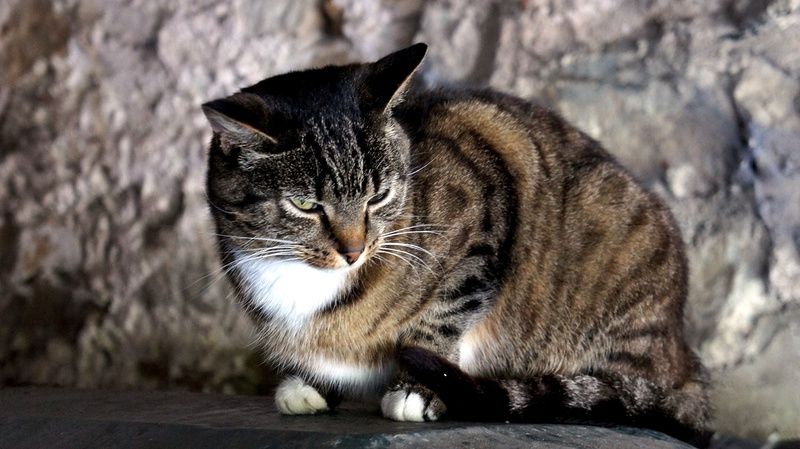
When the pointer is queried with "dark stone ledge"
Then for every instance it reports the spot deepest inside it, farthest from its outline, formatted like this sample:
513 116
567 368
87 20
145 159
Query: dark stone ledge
50 417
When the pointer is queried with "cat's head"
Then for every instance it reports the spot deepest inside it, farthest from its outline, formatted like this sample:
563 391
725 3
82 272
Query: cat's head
311 165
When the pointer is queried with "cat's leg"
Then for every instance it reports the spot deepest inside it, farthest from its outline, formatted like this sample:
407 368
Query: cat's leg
407 400
295 396
461 299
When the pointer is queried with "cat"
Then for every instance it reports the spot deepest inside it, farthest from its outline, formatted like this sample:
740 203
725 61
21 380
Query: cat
455 251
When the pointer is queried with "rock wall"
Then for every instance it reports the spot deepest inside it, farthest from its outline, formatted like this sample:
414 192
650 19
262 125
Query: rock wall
106 245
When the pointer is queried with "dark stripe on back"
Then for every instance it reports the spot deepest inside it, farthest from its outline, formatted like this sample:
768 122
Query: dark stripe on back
638 362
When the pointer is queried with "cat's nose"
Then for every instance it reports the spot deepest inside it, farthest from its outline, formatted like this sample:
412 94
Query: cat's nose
351 253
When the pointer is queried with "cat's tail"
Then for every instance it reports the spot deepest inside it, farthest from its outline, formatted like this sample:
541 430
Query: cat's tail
588 398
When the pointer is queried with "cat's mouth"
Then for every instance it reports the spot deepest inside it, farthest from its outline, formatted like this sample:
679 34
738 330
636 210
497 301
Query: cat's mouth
338 261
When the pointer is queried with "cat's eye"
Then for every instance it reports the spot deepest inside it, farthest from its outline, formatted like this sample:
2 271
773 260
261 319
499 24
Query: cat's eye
378 198
305 205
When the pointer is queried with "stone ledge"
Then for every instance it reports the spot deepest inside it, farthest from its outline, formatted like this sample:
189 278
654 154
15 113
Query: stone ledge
51 417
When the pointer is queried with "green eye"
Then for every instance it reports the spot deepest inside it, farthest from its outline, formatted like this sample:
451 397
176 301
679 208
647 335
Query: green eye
305 205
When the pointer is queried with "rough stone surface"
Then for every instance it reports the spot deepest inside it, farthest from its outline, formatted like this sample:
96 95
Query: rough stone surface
106 245
39 418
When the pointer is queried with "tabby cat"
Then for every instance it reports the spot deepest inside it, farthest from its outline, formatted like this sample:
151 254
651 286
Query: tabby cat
454 251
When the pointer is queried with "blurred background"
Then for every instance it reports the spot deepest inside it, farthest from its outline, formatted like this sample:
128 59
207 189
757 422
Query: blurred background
108 272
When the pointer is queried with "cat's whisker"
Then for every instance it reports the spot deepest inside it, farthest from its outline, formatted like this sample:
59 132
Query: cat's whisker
266 251
270 255
277 248
420 262
217 207
412 255
397 234
257 239
217 275
413 216
220 271
410 246
421 226
378 257
409 217
408 262
215 272
417 170
417 226
276 253
251 247
257 255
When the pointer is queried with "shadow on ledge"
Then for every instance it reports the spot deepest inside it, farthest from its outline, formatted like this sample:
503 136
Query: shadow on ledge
49 417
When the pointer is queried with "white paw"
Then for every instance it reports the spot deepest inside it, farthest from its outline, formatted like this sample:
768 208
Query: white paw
403 405
295 397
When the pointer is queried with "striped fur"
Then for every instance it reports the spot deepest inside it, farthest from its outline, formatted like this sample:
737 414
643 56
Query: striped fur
501 246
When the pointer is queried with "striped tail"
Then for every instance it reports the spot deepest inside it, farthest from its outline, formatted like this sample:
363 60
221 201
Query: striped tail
595 398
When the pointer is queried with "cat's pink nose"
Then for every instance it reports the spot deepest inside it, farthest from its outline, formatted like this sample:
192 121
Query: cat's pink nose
351 254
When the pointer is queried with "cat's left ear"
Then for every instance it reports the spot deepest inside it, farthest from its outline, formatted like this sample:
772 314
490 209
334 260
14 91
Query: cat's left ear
387 79
238 120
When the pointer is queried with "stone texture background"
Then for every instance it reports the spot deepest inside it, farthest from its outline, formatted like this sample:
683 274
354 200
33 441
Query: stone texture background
106 245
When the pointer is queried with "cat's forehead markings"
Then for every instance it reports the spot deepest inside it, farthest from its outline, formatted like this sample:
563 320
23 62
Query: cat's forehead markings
340 155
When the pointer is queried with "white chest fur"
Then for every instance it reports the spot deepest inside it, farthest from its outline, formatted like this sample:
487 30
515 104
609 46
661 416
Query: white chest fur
292 292
289 290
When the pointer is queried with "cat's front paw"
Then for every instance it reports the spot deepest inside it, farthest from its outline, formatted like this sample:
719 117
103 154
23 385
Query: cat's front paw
412 403
295 397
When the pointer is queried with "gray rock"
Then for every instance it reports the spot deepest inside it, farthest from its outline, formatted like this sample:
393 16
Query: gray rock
67 418
762 383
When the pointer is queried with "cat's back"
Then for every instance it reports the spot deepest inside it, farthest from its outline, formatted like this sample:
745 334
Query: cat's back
507 144
571 229
500 119
509 156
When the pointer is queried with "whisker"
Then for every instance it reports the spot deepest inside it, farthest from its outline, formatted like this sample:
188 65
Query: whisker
258 239
276 254
217 207
216 276
263 253
422 225
220 271
412 255
398 252
399 257
249 256
421 217
397 234
411 246
378 257
417 170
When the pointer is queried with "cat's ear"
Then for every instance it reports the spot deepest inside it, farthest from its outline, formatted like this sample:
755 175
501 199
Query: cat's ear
388 78
236 118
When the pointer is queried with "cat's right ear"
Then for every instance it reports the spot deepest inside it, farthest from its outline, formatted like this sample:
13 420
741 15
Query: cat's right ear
236 120
388 78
